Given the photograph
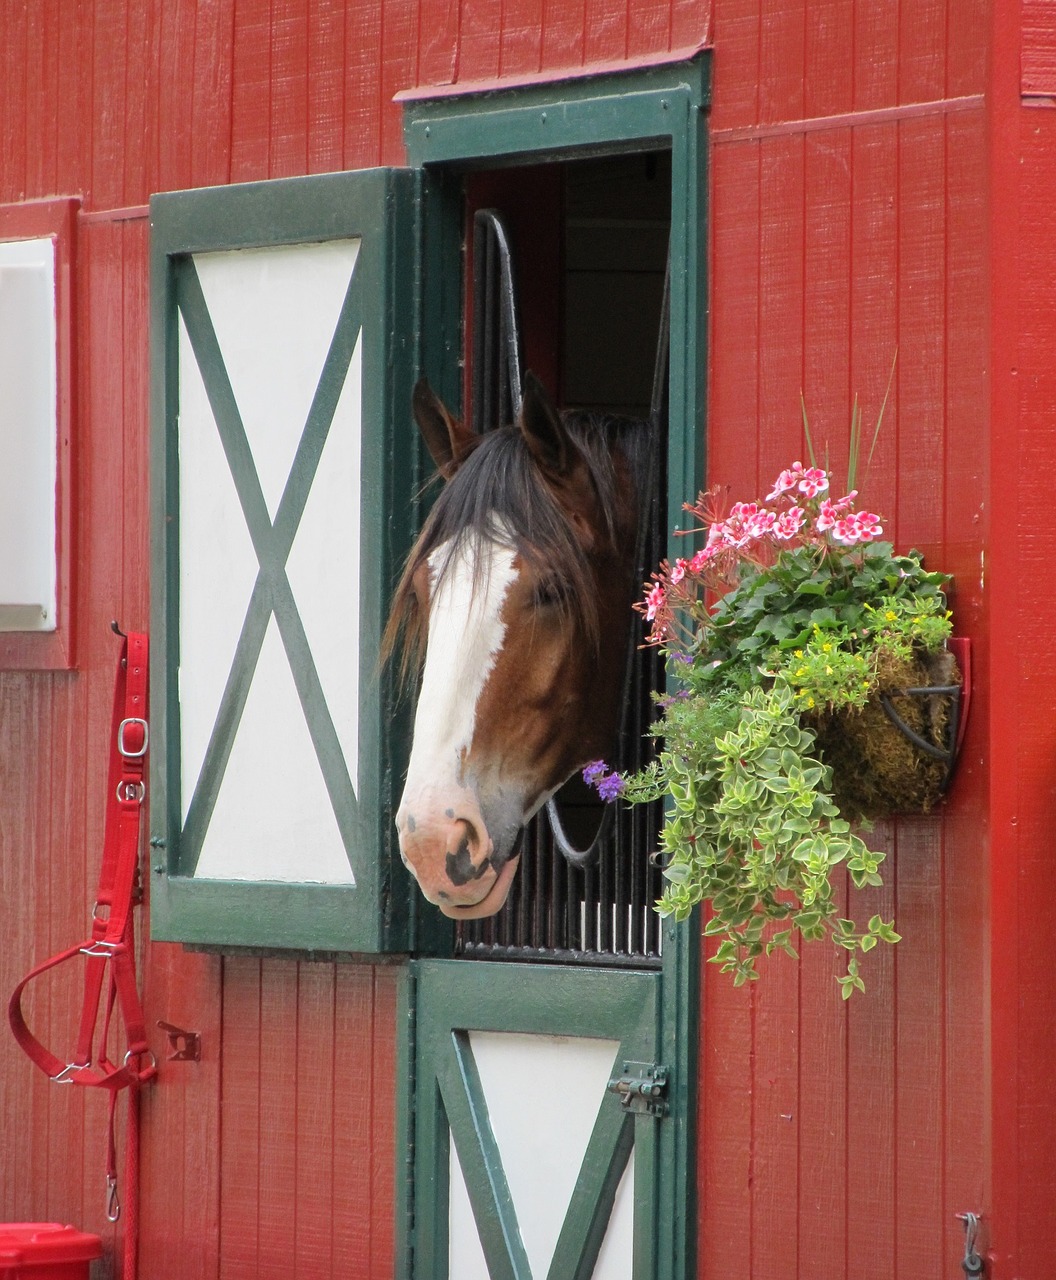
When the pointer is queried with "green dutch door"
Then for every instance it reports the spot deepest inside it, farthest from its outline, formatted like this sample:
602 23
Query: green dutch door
536 1137
550 1124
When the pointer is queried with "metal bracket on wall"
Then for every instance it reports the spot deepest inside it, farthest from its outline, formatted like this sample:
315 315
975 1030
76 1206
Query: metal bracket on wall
184 1046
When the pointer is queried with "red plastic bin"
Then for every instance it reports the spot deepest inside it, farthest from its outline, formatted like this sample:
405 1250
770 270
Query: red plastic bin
45 1251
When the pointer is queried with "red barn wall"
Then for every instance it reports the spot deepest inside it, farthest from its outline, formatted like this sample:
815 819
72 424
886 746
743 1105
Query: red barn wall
881 181
1023 727
849 224
260 1160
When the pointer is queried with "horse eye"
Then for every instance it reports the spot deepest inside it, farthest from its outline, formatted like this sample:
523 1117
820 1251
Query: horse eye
550 592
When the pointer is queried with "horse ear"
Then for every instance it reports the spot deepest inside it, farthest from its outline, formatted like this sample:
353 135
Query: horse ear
548 441
445 437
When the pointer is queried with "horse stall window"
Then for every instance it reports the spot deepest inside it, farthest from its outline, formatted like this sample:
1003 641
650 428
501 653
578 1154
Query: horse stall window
589 245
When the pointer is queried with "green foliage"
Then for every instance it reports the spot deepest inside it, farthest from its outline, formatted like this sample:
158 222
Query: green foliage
752 828
872 595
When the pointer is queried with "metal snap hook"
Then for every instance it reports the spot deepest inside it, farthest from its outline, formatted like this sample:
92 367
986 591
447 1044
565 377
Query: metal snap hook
113 1204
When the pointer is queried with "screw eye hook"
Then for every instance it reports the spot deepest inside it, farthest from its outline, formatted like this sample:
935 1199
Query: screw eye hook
973 1264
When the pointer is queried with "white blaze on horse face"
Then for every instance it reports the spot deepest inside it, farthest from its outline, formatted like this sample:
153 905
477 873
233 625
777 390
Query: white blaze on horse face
466 633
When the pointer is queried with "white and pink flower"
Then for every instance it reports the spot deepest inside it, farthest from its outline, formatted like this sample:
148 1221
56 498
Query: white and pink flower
830 511
703 557
760 524
789 523
861 527
655 599
868 526
814 481
786 481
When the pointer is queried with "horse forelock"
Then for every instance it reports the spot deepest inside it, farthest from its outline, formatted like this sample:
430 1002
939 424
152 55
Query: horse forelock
498 497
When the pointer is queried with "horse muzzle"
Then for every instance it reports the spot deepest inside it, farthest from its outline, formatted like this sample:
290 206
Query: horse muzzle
458 866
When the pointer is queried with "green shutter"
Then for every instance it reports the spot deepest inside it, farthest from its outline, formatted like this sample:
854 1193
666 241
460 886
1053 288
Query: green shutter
283 316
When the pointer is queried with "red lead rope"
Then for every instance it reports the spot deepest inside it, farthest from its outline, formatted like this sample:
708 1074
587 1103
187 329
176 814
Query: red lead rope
111 948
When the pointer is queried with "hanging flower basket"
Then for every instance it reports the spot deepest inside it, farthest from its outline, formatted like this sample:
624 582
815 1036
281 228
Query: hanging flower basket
816 689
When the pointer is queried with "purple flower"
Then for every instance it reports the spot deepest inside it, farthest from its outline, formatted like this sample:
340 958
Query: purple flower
610 787
593 772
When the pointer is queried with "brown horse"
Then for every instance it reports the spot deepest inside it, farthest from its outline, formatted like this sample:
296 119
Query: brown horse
517 594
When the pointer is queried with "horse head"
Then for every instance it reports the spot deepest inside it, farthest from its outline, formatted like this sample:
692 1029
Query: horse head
517 593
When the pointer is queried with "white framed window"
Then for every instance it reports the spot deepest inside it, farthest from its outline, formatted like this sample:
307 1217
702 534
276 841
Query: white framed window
37 246
28 436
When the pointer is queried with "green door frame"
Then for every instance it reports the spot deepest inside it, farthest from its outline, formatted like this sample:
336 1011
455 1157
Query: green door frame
656 108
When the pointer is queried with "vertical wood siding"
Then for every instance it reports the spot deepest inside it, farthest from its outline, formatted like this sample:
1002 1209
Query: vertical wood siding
273 1156
853 154
1023 727
848 221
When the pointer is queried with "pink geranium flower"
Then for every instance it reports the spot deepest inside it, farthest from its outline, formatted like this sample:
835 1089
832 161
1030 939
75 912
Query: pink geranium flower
845 531
654 601
852 529
814 481
760 524
789 523
828 514
703 557
868 526
786 481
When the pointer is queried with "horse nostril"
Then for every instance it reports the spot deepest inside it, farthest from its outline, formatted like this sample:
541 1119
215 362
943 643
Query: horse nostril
461 869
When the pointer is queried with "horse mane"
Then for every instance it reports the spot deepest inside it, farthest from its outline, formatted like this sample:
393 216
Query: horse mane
498 493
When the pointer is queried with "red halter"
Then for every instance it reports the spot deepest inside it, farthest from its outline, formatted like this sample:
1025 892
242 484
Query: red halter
111 945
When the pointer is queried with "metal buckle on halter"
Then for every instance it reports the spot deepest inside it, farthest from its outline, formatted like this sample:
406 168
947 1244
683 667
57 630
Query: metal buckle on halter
132 755
102 949
65 1076
130 792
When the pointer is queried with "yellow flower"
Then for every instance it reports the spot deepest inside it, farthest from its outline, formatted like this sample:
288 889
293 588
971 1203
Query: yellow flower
890 615
826 647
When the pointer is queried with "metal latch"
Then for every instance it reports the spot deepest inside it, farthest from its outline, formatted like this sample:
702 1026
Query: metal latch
641 1088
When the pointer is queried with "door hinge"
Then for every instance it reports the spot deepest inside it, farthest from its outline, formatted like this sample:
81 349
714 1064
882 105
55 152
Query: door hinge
641 1088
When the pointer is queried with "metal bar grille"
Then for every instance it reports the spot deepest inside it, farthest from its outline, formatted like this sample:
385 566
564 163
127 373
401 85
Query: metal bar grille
558 913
